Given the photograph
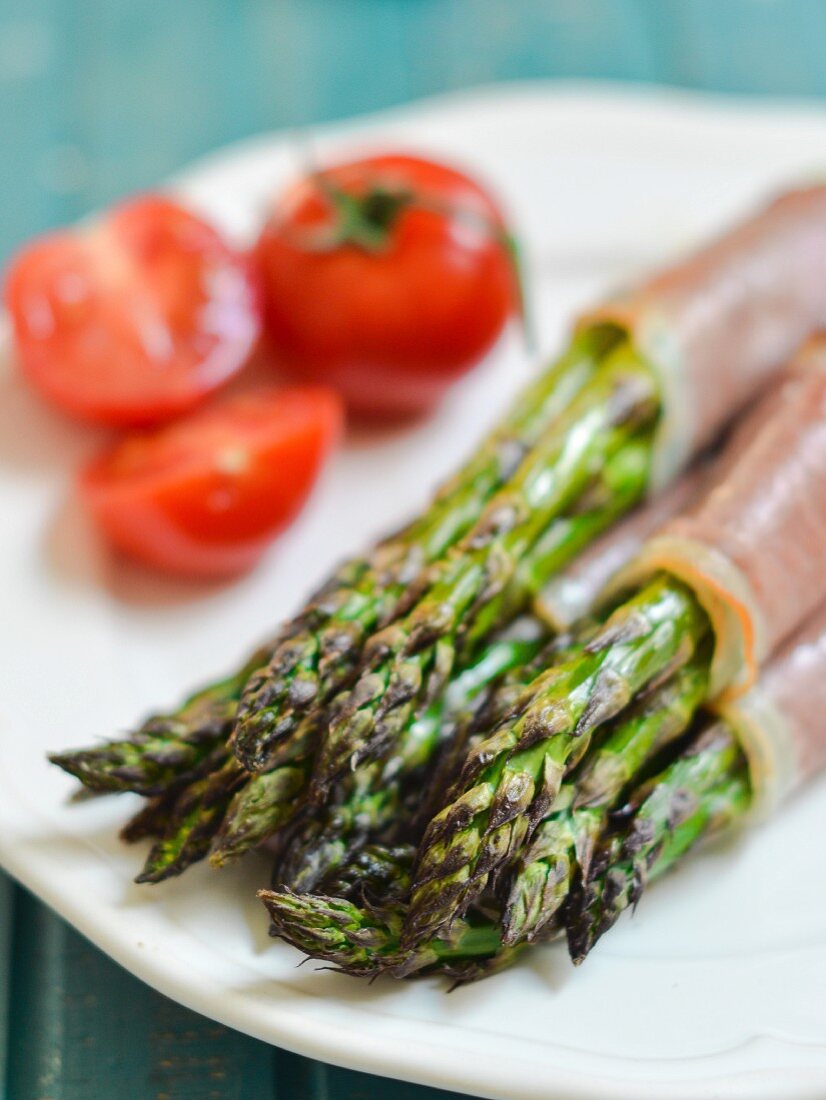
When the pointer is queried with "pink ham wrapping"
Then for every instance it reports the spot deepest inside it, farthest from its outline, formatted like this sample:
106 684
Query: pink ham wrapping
754 546
574 592
716 327
781 722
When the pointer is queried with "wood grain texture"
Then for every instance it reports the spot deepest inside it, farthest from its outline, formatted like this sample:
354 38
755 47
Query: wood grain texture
102 97
81 1027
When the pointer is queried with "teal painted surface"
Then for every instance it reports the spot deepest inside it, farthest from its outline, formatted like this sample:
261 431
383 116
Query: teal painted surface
82 1028
7 892
101 97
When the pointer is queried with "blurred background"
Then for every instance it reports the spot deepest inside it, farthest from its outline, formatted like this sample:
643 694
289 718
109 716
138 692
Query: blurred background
103 97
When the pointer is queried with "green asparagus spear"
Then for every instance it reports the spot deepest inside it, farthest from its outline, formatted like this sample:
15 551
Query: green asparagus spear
194 819
511 779
168 749
319 659
153 818
263 804
564 841
144 764
377 872
365 939
346 925
412 658
704 790
371 799
221 813
206 816
190 820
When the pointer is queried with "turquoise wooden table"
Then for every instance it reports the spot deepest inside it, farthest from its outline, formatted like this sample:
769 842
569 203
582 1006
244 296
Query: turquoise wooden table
101 97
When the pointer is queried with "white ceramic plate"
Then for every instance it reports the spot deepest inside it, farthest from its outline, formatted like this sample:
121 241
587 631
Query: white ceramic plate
718 987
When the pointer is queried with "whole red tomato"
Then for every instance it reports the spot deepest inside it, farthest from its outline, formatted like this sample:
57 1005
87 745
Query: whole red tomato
386 278
135 317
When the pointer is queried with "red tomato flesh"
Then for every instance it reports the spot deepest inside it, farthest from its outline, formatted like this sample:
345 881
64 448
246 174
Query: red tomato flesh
393 323
135 318
204 497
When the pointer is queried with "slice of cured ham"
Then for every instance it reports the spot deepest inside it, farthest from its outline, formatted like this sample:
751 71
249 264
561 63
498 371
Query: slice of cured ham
781 721
716 327
754 545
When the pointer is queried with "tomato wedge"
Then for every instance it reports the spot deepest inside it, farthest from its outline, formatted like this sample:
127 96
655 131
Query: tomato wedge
204 496
134 318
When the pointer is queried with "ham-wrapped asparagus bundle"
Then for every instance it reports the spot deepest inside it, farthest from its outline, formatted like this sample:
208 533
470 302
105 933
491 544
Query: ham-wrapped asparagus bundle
167 760
719 587
713 331
376 792
753 547
715 327
374 809
341 720
572 457
665 367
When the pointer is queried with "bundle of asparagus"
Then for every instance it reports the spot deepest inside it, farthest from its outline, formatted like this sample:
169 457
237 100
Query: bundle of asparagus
408 657
625 752
219 805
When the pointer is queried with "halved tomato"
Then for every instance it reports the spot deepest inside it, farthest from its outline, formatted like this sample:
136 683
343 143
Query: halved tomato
135 317
204 496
